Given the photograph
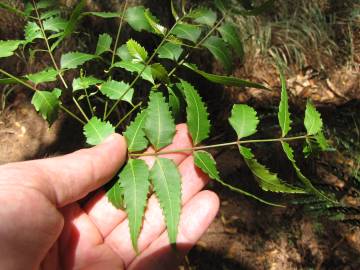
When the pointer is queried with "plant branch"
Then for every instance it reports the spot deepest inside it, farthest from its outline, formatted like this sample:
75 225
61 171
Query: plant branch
145 66
197 45
47 45
128 114
220 145
118 33
34 89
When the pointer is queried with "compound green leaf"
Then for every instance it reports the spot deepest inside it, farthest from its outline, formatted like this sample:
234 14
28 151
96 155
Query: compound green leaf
96 131
244 120
146 73
135 135
7 47
116 195
154 23
137 51
103 44
231 36
123 53
268 181
207 164
135 17
219 50
313 122
170 51
203 16
84 82
134 179
224 80
187 31
289 152
167 186
159 72
284 114
47 104
117 90
32 31
55 24
74 59
196 114
159 125
47 75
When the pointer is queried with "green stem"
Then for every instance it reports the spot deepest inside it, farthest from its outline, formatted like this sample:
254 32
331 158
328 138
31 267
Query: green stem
80 109
145 66
105 109
48 46
88 102
128 114
220 145
18 80
34 89
118 33
71 114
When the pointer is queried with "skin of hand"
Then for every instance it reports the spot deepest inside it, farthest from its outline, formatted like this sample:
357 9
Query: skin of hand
43 227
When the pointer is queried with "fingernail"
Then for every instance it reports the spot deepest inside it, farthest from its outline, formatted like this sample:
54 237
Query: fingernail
110 138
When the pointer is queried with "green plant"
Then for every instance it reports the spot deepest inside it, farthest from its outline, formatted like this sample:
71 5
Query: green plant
154 124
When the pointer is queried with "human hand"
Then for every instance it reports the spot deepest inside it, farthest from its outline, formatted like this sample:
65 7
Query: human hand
43 226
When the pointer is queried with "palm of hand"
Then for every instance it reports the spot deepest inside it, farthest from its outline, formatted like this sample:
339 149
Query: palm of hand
52 231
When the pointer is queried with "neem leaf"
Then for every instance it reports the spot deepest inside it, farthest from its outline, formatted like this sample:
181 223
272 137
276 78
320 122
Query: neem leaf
136 67
313 122
96 131
7 47
123 53
154 23
116 195
159 72
244 120
175 98
307 183
283 114
167 186
187 31
207 164
32 31
134 179
74 59
170 51
103 44
55 24
136 50
219 50
47 103
268 181
224 80
173 11
196 114
47 75
117 90
135 135
159 124
135 17
84 82
203 16
231 36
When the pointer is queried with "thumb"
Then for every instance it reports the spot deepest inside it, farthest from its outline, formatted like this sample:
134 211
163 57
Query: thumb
71 177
